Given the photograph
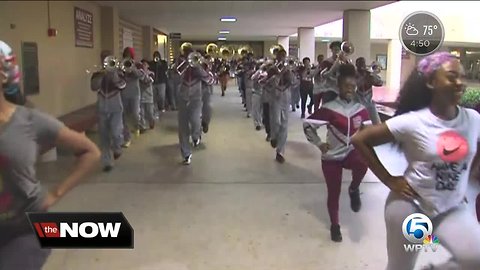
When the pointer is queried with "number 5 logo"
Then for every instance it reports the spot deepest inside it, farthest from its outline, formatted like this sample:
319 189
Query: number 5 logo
417 227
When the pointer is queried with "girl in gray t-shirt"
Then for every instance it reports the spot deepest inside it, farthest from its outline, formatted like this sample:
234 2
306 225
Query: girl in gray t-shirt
439 140
23 134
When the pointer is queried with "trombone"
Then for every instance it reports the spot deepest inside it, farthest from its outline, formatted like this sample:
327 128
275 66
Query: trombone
194 59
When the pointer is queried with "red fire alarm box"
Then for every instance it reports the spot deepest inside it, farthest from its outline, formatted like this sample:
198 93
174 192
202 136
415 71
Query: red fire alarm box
52 32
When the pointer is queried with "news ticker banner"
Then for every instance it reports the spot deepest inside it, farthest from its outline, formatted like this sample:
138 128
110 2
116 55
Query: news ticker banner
82 230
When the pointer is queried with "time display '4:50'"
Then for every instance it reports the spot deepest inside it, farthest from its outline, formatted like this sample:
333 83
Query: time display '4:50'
420 43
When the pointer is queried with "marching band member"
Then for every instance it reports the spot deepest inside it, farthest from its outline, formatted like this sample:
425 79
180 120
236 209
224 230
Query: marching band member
330 87
223 75
249 67
108 84
306 86
173 79
190 104
317 85
440 140
207 90
365 81
295 89
147 98
257 102
131 98
338 152
159 68
278 84
24 132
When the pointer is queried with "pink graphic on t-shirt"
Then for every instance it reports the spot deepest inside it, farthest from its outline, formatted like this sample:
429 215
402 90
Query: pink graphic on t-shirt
451 146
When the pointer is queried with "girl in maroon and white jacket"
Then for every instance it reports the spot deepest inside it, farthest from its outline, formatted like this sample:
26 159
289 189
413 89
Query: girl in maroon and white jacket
343 118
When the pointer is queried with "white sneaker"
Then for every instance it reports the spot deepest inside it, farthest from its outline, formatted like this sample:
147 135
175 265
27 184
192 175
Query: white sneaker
196 143
187 160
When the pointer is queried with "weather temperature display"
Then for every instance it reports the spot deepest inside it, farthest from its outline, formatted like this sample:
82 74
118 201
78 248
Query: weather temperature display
422 33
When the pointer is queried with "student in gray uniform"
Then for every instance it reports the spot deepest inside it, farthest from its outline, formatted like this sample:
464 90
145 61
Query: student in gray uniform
257 102
190 105
279 84
249 69
440 140
24 132
131 98
207 90
173 79
365 82
147 119
295 89
108 83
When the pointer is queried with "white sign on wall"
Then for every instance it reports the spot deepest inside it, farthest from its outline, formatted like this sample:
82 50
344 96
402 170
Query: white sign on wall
127 38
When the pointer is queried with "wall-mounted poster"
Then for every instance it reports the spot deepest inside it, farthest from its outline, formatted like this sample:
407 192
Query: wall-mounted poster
31 83
83 24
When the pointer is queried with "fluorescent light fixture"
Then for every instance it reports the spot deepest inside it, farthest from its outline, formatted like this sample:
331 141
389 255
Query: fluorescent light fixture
325 40
224 32
222 38
228 19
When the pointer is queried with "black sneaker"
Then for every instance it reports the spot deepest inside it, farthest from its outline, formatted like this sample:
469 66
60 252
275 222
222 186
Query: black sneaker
187 160
196 143
279 158
107 168
117 155
204 127
302 116
298 106
355 202
335 233
258 128
273 143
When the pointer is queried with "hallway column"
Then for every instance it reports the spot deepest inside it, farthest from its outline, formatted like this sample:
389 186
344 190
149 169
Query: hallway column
110 29
356 29
306 43
148 42
285 42
394 64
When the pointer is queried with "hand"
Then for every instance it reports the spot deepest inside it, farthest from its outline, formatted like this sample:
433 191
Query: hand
324 147
400 185
50 200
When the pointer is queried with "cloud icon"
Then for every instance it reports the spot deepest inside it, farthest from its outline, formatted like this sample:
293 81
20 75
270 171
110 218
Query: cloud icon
411 30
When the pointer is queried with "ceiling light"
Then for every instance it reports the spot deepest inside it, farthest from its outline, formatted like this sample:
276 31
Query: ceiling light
224 32
325 40
228 19
222 38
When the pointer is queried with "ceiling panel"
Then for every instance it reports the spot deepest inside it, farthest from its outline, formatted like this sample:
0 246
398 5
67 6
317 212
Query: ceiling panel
257 20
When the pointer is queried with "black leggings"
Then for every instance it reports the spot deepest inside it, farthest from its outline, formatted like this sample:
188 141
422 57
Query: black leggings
306 90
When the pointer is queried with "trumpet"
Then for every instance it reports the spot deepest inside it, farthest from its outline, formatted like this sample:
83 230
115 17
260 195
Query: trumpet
194 59
109 63
289 63
347 49
374 68
127 65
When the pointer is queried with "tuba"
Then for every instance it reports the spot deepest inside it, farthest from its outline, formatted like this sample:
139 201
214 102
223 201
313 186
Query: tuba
226 52
275 48
212 50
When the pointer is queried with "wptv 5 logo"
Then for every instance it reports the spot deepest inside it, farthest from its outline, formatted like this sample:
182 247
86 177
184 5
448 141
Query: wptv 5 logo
82 230
418 230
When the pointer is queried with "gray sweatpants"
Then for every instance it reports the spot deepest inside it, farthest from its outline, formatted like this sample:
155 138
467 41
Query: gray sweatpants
110 129
257 110
458 231
279 109
367 101
189 124
295 100
23 253
131 116
146 115
248 99
159 93
206 105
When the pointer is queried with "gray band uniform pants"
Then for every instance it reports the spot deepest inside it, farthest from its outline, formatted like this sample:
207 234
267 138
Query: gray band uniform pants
110 129
189 123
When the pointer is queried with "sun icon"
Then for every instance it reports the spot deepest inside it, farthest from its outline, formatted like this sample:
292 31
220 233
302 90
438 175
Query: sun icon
409 25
